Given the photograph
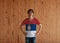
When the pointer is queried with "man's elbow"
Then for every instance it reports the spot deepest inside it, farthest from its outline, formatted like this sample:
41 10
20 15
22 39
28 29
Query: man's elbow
40 25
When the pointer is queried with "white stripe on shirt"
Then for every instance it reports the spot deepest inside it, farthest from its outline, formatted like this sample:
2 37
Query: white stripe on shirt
31 34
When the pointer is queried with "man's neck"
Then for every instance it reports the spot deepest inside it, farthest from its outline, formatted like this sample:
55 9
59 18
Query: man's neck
31 18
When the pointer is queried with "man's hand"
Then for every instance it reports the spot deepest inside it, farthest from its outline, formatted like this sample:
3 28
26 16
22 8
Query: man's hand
40 27
25 33
23 29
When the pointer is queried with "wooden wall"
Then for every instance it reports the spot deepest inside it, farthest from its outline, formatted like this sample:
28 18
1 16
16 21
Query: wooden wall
13 12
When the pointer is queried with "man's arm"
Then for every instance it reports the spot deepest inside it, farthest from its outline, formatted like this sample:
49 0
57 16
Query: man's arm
23 29
39 29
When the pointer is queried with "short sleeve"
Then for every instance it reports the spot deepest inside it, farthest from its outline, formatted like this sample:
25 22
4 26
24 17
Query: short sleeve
24 22
37 21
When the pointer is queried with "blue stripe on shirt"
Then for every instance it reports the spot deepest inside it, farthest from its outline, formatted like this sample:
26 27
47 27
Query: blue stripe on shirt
33 27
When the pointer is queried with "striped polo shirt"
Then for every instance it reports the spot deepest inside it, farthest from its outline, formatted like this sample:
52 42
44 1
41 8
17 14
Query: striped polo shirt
30 26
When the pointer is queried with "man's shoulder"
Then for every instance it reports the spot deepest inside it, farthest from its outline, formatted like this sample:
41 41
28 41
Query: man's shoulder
25 19
35 18
37 21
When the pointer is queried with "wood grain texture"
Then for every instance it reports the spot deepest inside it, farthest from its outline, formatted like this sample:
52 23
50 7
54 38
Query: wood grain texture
13 12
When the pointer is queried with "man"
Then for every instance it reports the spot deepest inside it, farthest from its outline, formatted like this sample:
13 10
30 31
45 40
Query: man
30 24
